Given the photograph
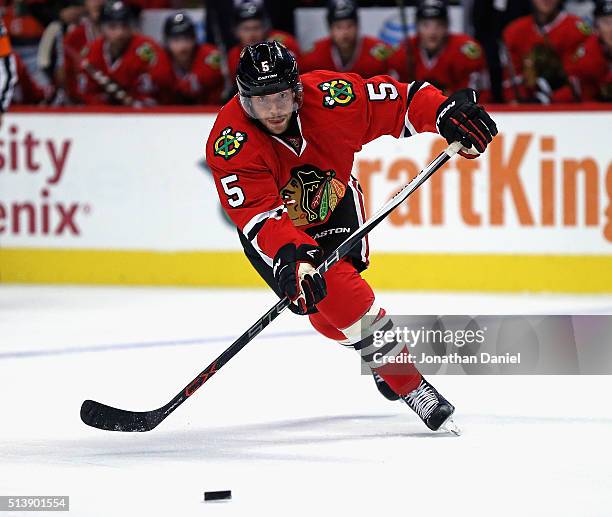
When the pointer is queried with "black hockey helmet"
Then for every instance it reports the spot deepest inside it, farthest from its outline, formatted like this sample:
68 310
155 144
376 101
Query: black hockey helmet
179 24
116 11
432 9
341 10
250 10
602 8
264 69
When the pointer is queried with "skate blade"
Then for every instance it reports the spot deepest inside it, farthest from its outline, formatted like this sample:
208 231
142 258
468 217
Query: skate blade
451 427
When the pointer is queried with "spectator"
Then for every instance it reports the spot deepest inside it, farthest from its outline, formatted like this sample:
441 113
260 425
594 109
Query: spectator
591 66
123 66
196 70
540 47
448 61
77 38
252 25
345 50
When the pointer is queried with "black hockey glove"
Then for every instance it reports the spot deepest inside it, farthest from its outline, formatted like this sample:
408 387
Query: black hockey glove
297 278
461 119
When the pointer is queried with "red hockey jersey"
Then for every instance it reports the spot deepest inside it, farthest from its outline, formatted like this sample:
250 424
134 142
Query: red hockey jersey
75 41
591 70
370 58
272 192
204 83
27 90
233 56
460 64
143 71
564 35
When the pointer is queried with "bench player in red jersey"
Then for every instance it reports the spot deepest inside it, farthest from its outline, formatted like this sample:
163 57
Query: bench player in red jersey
133 62
196 69
76 39
591 66
252 25
539 49
345 50
281 153
449 61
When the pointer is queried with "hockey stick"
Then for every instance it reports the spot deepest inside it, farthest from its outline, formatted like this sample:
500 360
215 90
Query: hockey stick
109 86
410 64
109 418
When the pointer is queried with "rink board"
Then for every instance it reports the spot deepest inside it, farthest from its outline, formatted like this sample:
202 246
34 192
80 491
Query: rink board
85 199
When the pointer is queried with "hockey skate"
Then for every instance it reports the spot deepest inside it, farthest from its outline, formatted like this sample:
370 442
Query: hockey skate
435 411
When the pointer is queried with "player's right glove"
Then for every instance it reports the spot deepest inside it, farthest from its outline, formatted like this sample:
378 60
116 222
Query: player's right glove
461 119
296 276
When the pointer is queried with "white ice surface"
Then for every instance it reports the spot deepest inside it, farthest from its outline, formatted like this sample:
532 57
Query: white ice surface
289 425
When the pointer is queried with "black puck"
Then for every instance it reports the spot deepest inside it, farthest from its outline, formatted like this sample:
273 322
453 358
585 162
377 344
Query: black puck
219 495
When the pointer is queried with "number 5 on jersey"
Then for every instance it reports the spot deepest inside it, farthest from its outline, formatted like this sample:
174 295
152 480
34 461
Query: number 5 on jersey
235 195
385 91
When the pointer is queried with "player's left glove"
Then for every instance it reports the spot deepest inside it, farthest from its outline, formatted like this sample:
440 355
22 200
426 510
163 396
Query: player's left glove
461 119
296 276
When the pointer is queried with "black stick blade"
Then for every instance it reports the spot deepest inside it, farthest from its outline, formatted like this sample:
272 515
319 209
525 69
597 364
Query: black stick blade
108 418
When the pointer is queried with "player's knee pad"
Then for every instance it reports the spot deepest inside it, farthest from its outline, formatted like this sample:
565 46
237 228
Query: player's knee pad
348 295
322 326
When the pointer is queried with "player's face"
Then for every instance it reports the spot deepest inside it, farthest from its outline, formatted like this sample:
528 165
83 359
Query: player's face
432 33
251 32
94 8
604 26
274 111
344 34
546 7
117 34
181 48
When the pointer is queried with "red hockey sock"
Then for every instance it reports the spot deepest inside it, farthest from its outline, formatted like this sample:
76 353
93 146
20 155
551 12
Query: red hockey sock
402 378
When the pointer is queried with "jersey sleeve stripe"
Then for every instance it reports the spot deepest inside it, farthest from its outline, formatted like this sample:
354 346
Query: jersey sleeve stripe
265 258
8 80
413 88
251 229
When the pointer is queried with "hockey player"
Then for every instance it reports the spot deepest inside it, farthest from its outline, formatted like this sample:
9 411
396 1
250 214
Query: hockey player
281 152
252 25
448 61
197 69
591 66
77 38
539 49
135 63
345 50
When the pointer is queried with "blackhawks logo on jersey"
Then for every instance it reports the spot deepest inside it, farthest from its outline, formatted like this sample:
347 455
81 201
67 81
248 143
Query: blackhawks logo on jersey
338 92
471 49
147 53
311 195
381 52
584 27
214 60
229 143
